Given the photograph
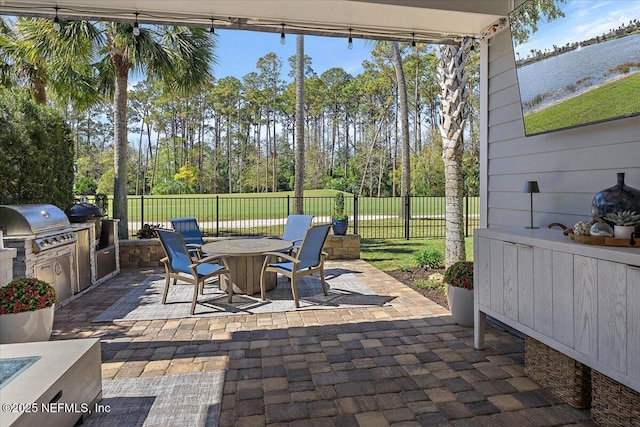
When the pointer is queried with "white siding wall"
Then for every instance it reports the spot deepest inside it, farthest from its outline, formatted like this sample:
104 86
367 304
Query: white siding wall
571 166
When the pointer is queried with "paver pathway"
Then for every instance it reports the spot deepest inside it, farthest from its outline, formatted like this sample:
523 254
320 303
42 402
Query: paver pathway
402 365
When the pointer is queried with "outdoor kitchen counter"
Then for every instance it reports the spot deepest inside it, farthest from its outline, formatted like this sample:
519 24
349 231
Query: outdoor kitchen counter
582 300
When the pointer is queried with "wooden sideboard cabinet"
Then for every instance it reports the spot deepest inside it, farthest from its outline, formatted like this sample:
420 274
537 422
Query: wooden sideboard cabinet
582 300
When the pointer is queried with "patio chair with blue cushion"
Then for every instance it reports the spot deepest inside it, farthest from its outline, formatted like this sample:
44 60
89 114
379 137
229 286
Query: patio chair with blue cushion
308 259
295 229
179 265
190 231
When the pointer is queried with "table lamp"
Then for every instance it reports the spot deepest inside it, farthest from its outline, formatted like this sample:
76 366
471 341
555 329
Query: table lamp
531 187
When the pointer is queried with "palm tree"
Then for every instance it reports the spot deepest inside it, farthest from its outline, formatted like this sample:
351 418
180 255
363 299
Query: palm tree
180 56
33 54
298 185
452 79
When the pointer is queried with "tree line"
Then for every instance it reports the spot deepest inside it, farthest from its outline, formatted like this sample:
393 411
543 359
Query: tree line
236 134
180 130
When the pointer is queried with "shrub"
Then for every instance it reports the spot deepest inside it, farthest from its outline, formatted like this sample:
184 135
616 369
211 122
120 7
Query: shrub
430 258
37 152
435 281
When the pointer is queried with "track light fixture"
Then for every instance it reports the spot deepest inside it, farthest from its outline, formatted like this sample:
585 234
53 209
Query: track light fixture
283 39
136 28
56 21
212 30
350 43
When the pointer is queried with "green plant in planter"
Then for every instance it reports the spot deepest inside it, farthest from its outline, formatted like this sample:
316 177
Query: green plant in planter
460 275
339 220
339 207
147 231
623 218
102 201
26 294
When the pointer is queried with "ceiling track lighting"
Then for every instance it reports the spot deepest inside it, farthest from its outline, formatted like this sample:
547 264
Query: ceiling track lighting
56 21
283 39
212 30
136 27
350 43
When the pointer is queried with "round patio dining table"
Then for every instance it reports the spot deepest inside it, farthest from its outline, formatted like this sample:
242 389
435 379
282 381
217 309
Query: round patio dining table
245 257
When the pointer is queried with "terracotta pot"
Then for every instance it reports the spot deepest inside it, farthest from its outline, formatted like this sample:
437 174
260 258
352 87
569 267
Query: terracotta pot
26 327
461 305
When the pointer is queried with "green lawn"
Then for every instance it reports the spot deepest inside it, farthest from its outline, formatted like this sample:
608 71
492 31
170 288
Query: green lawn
241 206
390 254
615 99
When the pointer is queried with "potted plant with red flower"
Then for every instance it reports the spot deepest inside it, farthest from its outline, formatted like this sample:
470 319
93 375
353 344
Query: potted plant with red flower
26 310
459 280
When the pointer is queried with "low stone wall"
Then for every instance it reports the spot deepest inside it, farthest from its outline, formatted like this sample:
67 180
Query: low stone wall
148 252
140 253
6 265
342 247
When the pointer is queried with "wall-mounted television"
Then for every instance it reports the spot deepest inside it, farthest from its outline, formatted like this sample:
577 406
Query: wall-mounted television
577 61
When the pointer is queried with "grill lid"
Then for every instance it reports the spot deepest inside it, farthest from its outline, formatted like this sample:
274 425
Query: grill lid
18 220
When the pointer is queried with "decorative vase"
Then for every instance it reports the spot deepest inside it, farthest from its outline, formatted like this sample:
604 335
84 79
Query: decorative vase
340 226
461 305
27 326
620 197
623 231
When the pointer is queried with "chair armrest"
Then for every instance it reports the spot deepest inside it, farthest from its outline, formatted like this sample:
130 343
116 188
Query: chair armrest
281 255
209 259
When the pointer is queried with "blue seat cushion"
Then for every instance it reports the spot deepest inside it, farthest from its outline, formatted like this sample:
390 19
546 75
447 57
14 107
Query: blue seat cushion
288 265
205 269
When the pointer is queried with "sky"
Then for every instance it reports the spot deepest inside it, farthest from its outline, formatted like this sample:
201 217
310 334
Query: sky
238 52
584 19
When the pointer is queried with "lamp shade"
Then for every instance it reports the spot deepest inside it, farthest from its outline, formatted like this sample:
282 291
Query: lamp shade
531 187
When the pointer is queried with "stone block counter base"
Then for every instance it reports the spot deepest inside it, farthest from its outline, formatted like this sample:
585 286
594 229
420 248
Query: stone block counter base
143 253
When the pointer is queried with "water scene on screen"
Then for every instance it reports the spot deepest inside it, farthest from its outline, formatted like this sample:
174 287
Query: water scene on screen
583 46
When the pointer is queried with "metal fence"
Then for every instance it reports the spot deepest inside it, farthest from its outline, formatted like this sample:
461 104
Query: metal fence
370 217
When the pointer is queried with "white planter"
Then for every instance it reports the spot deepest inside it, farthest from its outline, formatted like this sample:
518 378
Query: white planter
26 327
461 305
623 231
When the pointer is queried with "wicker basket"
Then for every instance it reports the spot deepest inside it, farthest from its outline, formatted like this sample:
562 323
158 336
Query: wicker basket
566 378
613 403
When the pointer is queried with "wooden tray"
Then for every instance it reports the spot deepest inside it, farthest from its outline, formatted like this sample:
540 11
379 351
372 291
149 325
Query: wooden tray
598 240
604 241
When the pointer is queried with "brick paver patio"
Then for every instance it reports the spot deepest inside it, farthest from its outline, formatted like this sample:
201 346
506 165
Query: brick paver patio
406 364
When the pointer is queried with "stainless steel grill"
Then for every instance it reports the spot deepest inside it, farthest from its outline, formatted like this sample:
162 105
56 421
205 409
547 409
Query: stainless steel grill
44 240
46 226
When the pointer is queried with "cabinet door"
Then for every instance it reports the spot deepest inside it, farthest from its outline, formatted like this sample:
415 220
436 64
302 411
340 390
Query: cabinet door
585 305
482 259
525 285
612 314
496 262
510 278
563 297
543 291
633 322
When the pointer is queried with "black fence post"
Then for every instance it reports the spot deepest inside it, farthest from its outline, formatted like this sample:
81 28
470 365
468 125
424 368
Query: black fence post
288 205
355 214
217 216
407 215
141 211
